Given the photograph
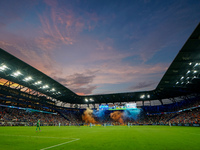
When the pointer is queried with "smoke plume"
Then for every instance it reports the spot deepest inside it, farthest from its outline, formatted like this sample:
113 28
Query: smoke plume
117 116
88 117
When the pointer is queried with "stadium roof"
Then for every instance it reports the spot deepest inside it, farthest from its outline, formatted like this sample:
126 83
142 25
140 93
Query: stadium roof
180 80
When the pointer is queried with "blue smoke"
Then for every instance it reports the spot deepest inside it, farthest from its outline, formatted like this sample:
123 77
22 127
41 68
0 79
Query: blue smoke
99 114
131 113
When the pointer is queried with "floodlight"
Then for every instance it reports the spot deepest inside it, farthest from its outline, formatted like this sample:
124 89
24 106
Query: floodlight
190 63
142 96
177 82
195 71
53 89
182 82
45 86
86 100
148 96
59 92
38 83
182 77
16 74
3 67
188 78
188 71
196 64
91 100
27 79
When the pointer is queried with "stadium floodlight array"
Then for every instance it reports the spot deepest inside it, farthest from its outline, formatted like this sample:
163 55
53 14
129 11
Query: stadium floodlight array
188 71
143 96
29 78
38 83
91 100
3 68
53 90
86 100
196 64
195 71
45 87
16 74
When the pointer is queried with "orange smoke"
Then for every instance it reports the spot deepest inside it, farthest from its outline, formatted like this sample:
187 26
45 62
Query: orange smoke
87 116
117 116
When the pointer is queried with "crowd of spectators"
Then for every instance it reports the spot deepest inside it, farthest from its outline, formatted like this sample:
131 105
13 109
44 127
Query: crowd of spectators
12 117
192 116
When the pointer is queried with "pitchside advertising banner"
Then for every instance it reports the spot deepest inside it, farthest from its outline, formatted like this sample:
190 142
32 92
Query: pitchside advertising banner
126 106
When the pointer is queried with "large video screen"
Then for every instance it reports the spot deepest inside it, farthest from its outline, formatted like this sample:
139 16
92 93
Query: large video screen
118 106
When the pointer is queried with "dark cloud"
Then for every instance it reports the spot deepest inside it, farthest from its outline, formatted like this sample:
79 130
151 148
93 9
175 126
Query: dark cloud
81 79
79 82
141 85
85 90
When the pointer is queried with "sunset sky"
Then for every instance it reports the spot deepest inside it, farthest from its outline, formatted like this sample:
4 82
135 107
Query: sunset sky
98 46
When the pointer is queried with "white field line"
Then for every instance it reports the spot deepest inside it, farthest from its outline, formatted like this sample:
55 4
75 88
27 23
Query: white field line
60 144
36 136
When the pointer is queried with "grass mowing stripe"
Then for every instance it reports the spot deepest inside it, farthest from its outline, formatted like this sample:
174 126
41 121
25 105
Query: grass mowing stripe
60 144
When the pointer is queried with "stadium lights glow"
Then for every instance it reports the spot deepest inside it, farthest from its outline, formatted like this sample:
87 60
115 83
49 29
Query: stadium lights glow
86 100
38 83
188 71
53 90
195 77
3 67
196 64
142 96
91 100
58 92
188 82
16 74
45 86
182 82
28 79
188 78
190 63
195 71
148 96
182 77
177 82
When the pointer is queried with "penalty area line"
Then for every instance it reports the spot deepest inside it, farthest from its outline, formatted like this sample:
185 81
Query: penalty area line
60 144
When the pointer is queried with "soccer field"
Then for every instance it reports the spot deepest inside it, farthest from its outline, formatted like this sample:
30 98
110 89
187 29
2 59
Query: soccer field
100 138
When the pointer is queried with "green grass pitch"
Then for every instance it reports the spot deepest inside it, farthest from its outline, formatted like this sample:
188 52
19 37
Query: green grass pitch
100 138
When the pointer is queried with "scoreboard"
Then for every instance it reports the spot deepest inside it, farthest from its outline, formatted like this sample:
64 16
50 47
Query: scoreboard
118 106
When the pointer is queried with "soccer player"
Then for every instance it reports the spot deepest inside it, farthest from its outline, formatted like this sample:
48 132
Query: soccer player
170 124
38 125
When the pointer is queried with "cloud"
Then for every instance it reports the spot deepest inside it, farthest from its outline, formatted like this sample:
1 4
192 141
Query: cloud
84 90
118 72
142 85
79 83
63 24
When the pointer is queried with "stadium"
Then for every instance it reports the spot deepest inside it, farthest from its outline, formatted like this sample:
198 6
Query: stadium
38 113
